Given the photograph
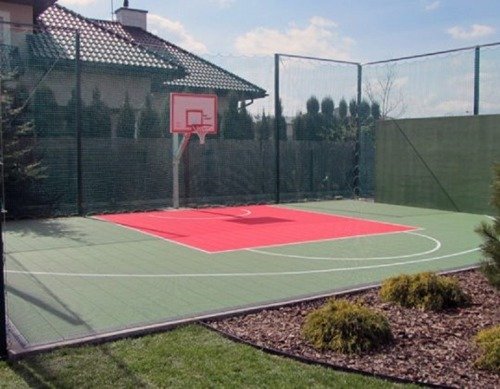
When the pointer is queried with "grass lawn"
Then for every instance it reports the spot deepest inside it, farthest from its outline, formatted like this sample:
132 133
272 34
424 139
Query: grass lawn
187 357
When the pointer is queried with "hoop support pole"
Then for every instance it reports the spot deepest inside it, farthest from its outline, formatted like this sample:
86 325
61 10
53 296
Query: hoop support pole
175 163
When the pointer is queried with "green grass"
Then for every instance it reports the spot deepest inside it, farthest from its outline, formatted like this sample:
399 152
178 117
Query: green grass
187 357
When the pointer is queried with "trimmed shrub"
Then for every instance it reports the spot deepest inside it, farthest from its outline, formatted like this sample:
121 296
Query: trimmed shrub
427 291
346 327
488 341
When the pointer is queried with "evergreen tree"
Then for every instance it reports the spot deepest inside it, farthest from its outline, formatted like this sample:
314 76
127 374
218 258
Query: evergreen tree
364 112
299 126
97 118
237 123
70 114
375 110
329 125
230 118
312 121
344 121
312 106
263 127
490 232
245 124
165 118
353 109
126 120
281 122
149 121
46 113
343 110
23 167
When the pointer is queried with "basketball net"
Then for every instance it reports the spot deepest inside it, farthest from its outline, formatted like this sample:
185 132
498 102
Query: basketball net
202 131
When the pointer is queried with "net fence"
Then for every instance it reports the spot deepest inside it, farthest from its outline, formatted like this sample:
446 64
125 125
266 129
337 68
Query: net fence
87 128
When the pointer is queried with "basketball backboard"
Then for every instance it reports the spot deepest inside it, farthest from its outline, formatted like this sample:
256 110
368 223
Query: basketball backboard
193 113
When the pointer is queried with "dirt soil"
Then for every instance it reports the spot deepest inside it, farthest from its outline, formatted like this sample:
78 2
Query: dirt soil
428 347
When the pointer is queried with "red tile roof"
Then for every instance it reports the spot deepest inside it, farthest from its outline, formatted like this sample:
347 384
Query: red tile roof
113 44
201 73
56 40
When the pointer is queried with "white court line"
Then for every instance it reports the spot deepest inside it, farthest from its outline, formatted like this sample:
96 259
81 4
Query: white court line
434 249
263 274
245 213
150 234
297 242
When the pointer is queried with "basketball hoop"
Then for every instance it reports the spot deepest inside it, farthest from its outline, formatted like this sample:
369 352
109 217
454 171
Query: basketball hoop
189 112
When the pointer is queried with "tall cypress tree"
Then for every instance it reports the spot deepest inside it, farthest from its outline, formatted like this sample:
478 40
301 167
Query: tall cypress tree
328 130
312 120
46 113
97 118
149 121
281 122
263 127
364 112
245 124
230 118
126 120
165 118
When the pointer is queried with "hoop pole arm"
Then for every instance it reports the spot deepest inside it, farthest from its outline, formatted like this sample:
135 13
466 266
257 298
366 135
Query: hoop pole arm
182 147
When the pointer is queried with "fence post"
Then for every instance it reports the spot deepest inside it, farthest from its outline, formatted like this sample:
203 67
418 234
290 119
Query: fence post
357 149
3 310
476 79
276 123
78 121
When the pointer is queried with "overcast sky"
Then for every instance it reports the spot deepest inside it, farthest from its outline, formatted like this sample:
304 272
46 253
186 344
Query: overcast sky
362 30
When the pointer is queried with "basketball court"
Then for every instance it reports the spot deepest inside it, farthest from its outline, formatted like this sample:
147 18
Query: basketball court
72 279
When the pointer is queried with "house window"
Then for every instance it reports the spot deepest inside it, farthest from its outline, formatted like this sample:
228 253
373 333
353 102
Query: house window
4 28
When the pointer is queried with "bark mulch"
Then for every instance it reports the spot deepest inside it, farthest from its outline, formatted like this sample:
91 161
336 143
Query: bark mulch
429 347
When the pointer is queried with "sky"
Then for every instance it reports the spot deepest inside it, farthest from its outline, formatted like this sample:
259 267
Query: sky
243 35
362 30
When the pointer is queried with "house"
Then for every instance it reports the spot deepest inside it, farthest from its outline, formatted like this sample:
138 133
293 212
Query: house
119 58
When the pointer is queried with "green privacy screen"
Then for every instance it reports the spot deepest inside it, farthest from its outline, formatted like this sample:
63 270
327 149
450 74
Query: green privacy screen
443 163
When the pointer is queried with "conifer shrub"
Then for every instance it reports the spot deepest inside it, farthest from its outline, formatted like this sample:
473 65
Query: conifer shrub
488 341
346 327
427 291
490 232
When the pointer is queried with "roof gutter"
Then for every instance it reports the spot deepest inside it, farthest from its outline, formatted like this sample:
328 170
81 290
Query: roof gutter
245 104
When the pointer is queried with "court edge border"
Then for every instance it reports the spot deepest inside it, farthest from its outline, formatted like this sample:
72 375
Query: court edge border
312 362
22 351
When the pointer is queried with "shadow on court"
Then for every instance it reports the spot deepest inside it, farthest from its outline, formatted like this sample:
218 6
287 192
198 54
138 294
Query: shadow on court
68 316
52 228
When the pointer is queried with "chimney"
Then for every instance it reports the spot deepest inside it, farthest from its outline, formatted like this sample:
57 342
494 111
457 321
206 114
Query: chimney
132 17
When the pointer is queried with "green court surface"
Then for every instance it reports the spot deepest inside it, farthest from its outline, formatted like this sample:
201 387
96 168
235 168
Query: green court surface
75 278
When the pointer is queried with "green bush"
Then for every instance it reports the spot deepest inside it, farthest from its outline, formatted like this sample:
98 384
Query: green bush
488 341
427 291
490 232
346 327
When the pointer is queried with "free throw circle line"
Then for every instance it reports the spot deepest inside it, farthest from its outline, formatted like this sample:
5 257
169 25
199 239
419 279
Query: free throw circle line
245 213
263 274
437 246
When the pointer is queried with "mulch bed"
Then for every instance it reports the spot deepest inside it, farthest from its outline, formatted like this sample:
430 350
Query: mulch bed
429 347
